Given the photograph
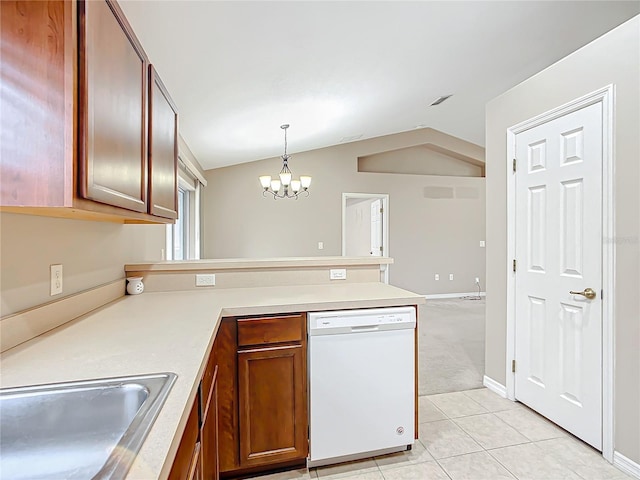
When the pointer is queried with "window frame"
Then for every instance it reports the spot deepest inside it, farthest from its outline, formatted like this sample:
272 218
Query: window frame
188 217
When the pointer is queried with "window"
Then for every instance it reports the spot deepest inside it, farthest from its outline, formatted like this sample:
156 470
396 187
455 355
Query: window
183 237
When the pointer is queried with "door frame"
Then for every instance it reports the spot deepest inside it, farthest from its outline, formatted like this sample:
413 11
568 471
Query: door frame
605 96
384 197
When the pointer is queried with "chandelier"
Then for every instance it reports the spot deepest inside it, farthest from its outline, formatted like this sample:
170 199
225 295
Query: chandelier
285 187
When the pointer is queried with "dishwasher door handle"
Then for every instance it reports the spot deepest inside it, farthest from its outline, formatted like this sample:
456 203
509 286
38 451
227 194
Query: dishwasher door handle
365 328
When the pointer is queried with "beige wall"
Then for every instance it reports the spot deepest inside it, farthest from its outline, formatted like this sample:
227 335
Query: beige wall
92 253
426 235
611 59
420 160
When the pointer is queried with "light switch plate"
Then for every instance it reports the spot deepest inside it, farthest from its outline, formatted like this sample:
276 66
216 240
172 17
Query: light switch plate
338 274
205 279
482 244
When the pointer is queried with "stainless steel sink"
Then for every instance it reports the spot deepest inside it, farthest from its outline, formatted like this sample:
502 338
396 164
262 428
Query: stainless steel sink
78 430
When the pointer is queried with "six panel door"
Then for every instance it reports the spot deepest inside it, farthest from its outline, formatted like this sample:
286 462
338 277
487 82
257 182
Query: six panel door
558 251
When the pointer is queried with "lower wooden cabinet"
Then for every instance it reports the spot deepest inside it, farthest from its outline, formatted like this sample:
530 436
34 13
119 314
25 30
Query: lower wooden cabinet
189 449
262 406
209 432
273 414
195 470
197 455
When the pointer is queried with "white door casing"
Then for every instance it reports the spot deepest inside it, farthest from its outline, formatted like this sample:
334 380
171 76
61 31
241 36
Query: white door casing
384 198
558 250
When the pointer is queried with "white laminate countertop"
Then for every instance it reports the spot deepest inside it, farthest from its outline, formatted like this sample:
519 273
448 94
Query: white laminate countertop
169 332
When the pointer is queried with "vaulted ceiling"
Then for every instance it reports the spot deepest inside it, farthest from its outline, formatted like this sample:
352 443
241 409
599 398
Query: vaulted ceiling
344 70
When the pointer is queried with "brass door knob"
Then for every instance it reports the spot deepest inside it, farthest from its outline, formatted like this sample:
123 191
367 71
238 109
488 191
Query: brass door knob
590 293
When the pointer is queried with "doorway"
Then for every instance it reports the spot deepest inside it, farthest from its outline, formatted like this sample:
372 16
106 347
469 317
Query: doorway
559 342
365 226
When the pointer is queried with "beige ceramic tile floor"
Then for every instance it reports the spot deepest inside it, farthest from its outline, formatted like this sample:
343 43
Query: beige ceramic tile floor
476 435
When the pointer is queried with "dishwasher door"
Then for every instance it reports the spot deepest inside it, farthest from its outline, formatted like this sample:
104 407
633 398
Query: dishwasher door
362 383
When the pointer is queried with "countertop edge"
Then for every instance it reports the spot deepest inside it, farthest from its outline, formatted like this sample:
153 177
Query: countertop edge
254 264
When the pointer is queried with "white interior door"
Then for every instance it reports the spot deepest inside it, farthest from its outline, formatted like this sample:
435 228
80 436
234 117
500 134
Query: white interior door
376 228
558 230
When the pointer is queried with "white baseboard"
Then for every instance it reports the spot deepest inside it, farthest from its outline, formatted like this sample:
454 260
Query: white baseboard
454 295
494 386
627 465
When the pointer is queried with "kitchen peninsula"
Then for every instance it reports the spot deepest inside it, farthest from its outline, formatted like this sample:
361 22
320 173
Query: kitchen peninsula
175 331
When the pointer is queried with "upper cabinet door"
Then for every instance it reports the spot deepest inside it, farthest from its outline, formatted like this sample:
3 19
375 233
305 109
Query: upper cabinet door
163 149
112 108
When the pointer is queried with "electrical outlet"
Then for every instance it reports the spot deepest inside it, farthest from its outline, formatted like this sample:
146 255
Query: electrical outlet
338 274
436 277
205 279
56 279
482 243
320 245
477 280
451 276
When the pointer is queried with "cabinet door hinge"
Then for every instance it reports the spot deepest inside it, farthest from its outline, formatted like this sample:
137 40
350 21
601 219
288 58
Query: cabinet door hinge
513 366
514 165
381 209
514 264
381 248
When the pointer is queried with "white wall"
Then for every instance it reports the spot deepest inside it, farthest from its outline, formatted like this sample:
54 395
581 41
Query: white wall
612 59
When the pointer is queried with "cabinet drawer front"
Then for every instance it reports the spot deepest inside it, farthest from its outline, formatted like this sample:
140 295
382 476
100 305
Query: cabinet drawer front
264 330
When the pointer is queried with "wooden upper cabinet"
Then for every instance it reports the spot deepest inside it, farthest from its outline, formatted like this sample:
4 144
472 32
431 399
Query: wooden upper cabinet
74 107
163 149
112 108
37 145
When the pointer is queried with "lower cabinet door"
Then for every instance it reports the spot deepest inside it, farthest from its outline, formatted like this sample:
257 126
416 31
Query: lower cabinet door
272 401
209 434
186 463
195 469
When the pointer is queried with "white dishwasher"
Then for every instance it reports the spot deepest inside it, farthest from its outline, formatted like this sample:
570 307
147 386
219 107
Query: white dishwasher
361 383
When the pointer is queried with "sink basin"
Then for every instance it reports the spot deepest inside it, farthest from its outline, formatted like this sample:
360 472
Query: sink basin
78 430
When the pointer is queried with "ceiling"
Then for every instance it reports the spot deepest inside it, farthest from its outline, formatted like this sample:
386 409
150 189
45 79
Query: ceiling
336 70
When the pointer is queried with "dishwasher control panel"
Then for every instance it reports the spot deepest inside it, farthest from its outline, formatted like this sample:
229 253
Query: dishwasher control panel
323 323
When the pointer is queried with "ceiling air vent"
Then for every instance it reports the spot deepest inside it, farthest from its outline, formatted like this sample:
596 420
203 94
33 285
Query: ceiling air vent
351 138
439 100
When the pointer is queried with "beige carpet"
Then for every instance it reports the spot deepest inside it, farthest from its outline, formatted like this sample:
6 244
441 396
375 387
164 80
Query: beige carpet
451 346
